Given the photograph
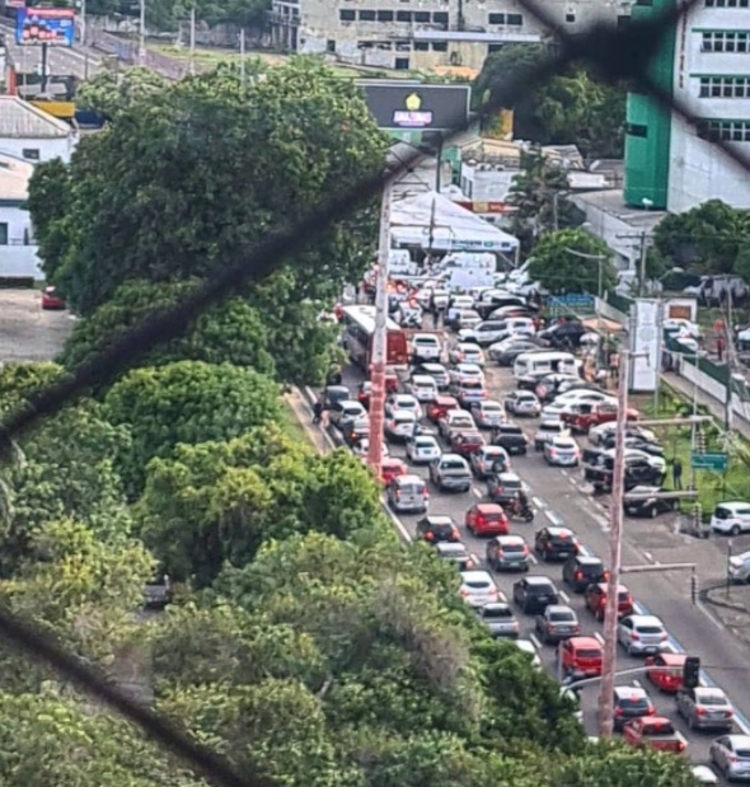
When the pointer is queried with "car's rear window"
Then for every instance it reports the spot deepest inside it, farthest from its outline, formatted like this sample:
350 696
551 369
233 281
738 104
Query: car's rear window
513 547
426 340
453 466
713 699
443 528
541 590
588 653
649 630
593 571
491 408
662 728
498 612
743 754
560 617
623 596
722 513
478 584
637 703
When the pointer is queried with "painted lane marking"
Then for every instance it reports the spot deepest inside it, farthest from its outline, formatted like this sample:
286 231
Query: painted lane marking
477 492
538 502
599 637
533 559
553 517
535 640
565 597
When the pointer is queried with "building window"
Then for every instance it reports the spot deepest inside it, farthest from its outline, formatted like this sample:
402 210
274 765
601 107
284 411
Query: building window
440 46
497 19
570 18
726 3
440 17
366 16
724 41
347 15
421 46
3 234
725 130
403 46
636 130
403 16
402 64
330 46
724 87
623 22
422 16
32 154
491 49
515 19
385 16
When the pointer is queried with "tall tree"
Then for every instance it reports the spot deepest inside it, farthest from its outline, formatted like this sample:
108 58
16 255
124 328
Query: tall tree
573 260
111 93
188 178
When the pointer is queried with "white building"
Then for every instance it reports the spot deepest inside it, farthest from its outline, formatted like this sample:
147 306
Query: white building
28 133
18 250
712 77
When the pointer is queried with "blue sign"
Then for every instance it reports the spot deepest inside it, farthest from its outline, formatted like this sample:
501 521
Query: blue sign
45 26
576 301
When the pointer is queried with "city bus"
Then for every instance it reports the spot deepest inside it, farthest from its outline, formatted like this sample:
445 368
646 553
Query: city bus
358 332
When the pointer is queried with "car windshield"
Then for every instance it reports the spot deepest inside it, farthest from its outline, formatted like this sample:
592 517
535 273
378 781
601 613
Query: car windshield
588 653
713 699
743 754
636 703
442 528
498 612
561 617
478 584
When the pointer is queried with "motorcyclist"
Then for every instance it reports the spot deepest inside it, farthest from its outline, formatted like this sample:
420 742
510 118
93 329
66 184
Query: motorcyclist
317 412
523 500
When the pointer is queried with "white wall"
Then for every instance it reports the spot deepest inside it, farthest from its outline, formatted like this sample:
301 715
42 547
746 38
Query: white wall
608 227
18 258
48 148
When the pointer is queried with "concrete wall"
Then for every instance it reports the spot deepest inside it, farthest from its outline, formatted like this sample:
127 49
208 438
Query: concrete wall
48 148
608 227
19 258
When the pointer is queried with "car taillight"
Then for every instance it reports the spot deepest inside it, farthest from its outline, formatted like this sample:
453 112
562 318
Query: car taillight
700 711
729 713
579 575
635 636
429 535
618 711
525 551
651 710
464 592
681 746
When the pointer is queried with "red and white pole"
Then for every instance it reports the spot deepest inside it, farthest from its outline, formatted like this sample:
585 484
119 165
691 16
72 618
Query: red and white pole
380 339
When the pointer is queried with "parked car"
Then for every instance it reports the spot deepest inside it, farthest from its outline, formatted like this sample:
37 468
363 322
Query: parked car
510 437
555 543
731 756
596 600
408 493
478 588
522 403
580 571
455 552
655 732
534 593
442 405
642 635
548 429
649 507
631 702
422 449
487 519
437 371
507 553
562 451
705 708
487 413
426 347
486 333
451 473
581 657
436 528
51 299
456 420
488 460
564 334
731 518
466 352
556 623
423 388
500 619
665 671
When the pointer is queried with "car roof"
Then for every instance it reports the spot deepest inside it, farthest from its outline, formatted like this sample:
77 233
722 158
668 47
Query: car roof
404 415
392 461
452 546
351 403
510 539
588 560
509 475
425 438
559 608
739 740
585 642
493 449
467 367
421 379
430 336
564 439
409 479
490 402
560 531
603 586
733 504
646 620
536 579
433 366
498 605
526 645
473 575
489 508
630 691
439 519
454 457
703 691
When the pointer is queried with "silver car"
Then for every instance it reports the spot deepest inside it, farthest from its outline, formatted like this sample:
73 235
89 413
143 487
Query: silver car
557 622
451 473
487 413
731 755
548 429
705 708
500 619
562 451
642 635
522 403
484 461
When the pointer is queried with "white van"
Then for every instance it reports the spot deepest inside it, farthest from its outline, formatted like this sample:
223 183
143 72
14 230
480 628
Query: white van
553 361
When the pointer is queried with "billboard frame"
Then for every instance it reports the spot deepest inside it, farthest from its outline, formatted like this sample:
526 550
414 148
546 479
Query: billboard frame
57 15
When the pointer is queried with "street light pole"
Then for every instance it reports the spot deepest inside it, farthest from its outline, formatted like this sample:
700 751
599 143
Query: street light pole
380 338
142 34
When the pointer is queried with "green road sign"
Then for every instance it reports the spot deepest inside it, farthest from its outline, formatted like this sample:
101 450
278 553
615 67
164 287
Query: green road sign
710 461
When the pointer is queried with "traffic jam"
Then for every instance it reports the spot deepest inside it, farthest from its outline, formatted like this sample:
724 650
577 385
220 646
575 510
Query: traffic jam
476 408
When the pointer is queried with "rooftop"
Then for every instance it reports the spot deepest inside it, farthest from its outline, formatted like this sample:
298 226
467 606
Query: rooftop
21 120
611 201
14 178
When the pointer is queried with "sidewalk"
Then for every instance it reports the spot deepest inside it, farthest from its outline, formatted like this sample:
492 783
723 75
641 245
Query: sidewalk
715 407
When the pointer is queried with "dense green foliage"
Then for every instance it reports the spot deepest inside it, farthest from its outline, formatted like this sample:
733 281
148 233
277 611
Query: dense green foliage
559 266
572 108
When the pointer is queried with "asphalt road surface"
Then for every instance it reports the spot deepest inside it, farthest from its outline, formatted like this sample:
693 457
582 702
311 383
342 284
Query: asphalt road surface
560 497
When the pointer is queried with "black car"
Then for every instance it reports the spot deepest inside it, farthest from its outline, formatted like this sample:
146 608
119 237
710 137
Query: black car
631 702
580 571
548 385
510 437
534 594
555 543
648 507
529 382
497 301
564 335
639 471
435 529
634 442
507 356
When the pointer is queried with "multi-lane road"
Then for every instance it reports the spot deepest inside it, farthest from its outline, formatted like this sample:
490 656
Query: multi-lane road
560 497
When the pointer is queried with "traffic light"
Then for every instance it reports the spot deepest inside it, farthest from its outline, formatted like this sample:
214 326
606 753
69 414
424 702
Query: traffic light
691 672
700 441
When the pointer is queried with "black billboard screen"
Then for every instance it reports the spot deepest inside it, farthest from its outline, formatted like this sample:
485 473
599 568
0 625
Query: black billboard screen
410 106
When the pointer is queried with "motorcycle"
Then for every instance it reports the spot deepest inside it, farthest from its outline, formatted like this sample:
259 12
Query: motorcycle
517 510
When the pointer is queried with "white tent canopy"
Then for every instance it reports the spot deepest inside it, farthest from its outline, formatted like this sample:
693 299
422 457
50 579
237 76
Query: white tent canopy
453 228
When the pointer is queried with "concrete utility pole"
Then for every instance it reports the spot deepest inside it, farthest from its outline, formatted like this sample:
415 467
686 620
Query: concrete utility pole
380 339
192 40
142 34
242 56
599 258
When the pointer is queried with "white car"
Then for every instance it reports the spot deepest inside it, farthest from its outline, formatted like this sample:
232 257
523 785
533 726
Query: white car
704 775
488 413
484 460
528 647
642 635
466 352
578 396
683 327
403 402
731 755
466 371
400 425
465 318
437 371
523 403
361 448
423 388
562 451
426 347
731 518
422 449
478 588
456 419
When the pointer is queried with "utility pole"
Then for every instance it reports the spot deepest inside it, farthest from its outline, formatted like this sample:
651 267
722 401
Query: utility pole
192 40
730 359
142 34
242 56
83 22
609 662
380 339
599 258
643 255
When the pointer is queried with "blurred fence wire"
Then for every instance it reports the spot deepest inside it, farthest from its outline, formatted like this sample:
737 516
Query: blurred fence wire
616 54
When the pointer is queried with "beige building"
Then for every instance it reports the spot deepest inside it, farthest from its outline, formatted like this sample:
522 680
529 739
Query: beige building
423 34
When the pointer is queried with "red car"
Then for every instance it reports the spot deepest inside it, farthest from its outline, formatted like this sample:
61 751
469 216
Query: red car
596 600
583 416
437 409
656 732
581 657
50 299
391 468
465 443
487 519
665 671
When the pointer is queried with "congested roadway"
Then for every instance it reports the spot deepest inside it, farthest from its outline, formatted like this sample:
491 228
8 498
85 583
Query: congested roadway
560 497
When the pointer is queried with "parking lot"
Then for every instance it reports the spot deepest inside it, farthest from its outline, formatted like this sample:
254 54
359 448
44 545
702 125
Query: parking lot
27 333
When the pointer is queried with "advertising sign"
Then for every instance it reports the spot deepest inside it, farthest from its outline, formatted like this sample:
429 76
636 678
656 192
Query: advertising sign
15 3
646 343
52 26
408 106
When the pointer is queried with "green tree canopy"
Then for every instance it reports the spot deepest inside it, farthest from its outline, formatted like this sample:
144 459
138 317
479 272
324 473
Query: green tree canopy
557 263
110 93
185 402
188 178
